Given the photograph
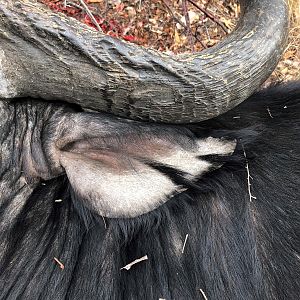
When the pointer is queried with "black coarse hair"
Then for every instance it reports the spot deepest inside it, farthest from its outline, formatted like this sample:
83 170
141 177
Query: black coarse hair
234 234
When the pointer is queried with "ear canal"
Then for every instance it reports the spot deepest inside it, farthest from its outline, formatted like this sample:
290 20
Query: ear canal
123 169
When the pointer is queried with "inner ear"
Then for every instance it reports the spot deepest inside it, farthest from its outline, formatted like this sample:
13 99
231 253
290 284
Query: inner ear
122 168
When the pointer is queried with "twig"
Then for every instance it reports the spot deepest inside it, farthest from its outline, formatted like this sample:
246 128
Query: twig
69 3
207 33
173 16
209 15
60 264
179 22
203 294
199 33
91 15
248 178
269 112
207 3
106 8
186 237
128 267
188 24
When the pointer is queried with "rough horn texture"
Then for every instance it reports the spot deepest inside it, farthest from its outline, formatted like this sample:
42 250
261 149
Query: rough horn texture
46 55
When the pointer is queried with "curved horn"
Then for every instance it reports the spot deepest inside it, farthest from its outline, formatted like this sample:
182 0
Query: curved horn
47 55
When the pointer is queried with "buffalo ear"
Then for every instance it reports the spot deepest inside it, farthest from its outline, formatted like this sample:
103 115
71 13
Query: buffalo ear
123 169
115 185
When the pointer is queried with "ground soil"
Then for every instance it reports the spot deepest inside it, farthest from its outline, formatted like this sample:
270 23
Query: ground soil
176 26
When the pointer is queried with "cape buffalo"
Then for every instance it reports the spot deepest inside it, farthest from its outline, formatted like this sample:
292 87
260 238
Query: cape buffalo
97 202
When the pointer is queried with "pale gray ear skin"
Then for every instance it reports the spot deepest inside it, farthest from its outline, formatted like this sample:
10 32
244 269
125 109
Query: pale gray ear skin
108 161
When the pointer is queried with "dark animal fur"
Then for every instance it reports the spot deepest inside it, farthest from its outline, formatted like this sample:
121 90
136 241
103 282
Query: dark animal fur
236 249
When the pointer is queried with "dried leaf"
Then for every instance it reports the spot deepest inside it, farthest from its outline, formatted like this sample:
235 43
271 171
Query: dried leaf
177 39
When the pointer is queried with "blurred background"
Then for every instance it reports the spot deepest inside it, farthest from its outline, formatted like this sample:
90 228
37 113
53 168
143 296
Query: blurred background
177 26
